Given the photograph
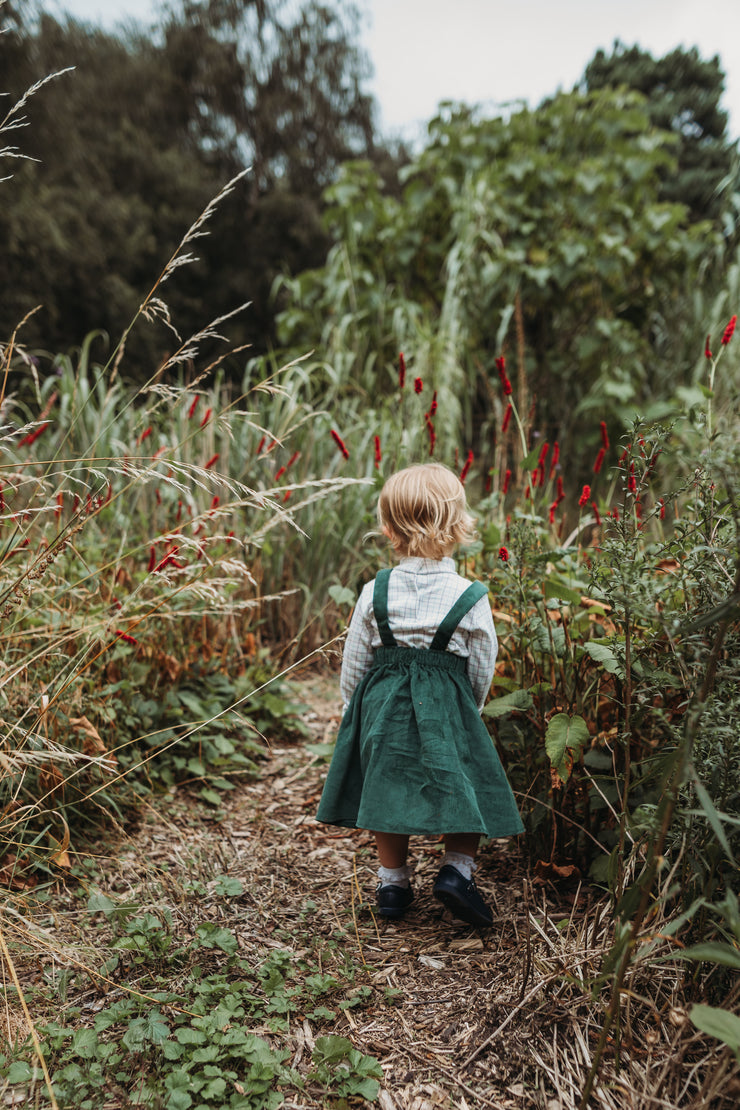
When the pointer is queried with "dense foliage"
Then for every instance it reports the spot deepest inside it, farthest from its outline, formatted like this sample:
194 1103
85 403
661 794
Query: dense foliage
163 546
148 127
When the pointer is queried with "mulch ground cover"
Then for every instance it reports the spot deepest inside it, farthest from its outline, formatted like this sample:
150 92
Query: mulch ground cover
457 1017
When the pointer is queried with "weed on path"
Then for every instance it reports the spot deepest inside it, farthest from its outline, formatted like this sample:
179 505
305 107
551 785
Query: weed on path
233 959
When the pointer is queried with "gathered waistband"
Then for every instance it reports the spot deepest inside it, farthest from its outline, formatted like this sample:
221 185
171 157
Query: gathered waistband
422 657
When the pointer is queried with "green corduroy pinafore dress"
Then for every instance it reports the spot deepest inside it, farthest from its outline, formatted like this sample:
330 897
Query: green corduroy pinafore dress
412 754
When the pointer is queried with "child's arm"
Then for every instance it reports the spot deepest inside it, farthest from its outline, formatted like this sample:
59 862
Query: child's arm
483 647
357 657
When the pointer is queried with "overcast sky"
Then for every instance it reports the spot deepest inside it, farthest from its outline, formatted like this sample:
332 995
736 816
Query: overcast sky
491 52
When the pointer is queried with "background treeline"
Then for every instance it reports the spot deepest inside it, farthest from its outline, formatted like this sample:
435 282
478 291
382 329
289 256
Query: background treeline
601 213
149 126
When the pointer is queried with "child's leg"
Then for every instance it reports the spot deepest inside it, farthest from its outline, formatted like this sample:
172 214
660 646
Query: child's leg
455 886
393 848
394 894
464 843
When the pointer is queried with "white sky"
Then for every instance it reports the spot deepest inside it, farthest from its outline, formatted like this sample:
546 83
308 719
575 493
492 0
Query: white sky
494 51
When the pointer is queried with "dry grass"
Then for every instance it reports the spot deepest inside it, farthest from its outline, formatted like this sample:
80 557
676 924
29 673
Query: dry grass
501 1019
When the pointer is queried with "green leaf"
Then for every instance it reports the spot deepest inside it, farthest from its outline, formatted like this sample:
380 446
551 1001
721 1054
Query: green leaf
100 903
213 936
558 590
228 886
712 814
710 952
211 797
565 734
330 1050
518 701
342 595
84 1043
19 1072
604 655
718 1023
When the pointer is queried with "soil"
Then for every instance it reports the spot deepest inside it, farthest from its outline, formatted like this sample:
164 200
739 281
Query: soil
462 1017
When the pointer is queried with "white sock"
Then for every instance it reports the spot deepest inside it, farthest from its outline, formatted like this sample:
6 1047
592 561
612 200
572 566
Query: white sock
462 863
394 876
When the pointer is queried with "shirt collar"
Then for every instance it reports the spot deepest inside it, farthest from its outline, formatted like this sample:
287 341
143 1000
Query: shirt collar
417 565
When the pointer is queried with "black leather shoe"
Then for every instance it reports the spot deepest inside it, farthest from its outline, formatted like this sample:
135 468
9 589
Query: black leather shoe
393 901
461 897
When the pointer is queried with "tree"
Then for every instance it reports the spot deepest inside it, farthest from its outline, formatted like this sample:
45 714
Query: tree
542 236
683 94
134 143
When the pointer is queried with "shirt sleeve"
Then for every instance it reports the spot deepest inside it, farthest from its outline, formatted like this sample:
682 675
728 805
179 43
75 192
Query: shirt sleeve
357 657
483 647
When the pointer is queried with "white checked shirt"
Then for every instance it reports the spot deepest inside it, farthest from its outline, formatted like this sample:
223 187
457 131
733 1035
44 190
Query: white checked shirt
420 594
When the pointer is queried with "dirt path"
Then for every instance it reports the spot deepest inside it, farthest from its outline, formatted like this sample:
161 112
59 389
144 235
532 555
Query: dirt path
457 1017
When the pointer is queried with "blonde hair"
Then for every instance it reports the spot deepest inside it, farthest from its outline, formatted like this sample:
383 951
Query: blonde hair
423 507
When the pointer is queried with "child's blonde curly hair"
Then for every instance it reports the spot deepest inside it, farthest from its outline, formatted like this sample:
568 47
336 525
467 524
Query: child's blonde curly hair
423 511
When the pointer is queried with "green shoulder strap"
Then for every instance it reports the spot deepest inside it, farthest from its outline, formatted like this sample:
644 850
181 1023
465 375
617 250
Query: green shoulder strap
380 607
465 602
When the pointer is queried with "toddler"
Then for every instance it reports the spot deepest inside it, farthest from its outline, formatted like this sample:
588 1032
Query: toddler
412 754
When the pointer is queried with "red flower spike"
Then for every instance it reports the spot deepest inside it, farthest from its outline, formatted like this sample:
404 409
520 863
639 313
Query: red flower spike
533 478
281 471
585 495
466 469
543 455
125 637
213 459
615 514
170 559
553 507
418 385
60 504
555 457
624 454
401 371
340 443
599 460
433 406
260 445
527 492
507 481
560 491
541 474
632 481
144 435
152 560
206 418
296 455
727 336
707 351
507 418
378 454
604 436
287 494
595 508
215 502
503 555
193 407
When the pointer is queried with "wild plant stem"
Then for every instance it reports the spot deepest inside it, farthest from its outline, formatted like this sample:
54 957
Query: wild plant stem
656 849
